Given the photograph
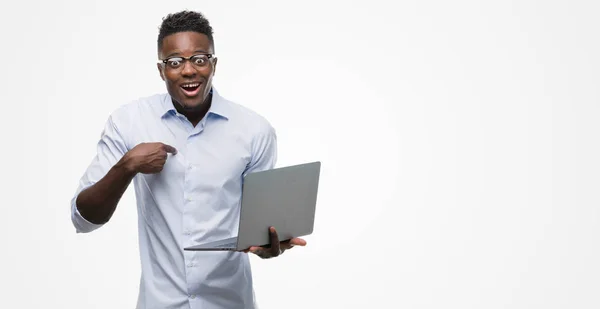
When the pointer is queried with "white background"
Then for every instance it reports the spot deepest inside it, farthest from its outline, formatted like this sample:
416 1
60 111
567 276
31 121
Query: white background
459 142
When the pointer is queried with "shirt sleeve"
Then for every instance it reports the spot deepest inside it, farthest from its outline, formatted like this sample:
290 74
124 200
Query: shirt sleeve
264 151
110 149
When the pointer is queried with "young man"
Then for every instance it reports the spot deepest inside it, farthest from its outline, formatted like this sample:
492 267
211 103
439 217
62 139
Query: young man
187 152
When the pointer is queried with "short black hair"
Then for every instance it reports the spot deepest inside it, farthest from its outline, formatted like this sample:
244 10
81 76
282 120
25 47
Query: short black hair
185 21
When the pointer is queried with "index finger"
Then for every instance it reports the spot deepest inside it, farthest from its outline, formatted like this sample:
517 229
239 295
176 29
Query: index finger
169 149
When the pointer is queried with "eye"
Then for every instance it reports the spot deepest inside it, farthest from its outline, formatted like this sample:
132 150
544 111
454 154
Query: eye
199 60
174 62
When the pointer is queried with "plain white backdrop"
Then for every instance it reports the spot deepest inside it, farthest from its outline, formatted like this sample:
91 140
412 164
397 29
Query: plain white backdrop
459 141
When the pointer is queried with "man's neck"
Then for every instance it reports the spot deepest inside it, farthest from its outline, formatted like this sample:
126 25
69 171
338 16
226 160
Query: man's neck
195 115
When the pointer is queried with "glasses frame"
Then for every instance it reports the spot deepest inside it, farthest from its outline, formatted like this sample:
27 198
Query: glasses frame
185 59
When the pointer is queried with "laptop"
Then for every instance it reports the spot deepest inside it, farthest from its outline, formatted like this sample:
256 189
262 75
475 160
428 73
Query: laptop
284 198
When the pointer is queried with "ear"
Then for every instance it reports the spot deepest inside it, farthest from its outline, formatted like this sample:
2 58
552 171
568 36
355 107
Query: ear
215 65
160 71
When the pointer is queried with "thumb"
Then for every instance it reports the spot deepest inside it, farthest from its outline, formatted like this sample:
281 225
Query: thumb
169 149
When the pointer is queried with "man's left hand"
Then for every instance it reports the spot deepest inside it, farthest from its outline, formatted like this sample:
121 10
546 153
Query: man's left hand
276 247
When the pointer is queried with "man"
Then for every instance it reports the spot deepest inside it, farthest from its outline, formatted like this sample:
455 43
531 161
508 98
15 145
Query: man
187 152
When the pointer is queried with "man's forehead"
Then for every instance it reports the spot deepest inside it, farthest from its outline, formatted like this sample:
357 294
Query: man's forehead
185 42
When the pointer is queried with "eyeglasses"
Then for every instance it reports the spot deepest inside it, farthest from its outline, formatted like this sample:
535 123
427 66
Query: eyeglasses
176 63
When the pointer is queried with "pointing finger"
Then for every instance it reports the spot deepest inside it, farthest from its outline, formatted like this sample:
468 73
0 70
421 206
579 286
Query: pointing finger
169 149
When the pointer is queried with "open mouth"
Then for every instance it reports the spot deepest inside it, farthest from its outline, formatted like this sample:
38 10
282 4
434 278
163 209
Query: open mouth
191 89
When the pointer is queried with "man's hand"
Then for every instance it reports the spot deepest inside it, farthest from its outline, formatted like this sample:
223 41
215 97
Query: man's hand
148 158
275 248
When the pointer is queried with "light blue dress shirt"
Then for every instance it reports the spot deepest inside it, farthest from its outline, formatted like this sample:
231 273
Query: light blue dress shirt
194 199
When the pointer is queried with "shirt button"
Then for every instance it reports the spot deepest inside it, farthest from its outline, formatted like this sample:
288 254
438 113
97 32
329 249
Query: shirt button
189 199
190 265
190 167
192 296
188 233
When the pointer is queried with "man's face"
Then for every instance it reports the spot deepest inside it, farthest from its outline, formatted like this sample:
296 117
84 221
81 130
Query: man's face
188 81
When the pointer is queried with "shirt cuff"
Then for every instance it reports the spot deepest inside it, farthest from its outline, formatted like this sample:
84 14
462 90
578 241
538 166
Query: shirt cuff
81 224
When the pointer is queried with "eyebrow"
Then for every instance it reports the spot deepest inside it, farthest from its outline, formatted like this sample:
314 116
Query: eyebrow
198 51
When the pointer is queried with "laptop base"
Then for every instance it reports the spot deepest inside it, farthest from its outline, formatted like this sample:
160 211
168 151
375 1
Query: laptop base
229 244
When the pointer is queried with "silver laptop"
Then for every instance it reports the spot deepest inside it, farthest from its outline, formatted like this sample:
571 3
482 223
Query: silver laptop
284 198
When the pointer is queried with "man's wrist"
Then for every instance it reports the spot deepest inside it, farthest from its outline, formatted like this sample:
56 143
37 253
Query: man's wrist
127 166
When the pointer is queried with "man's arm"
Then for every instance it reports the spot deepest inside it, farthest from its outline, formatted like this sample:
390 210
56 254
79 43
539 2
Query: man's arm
102 181
109 175
97 203
264 151
264 157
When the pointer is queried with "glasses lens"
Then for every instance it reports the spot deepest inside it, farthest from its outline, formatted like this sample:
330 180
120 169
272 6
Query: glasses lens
199 60
175 62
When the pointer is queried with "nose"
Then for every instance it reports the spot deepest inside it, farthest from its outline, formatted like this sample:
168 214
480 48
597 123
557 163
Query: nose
188 69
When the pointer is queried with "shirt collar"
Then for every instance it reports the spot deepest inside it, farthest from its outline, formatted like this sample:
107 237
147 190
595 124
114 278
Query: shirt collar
218 105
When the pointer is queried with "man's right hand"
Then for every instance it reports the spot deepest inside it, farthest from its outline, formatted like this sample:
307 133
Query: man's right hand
148 158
